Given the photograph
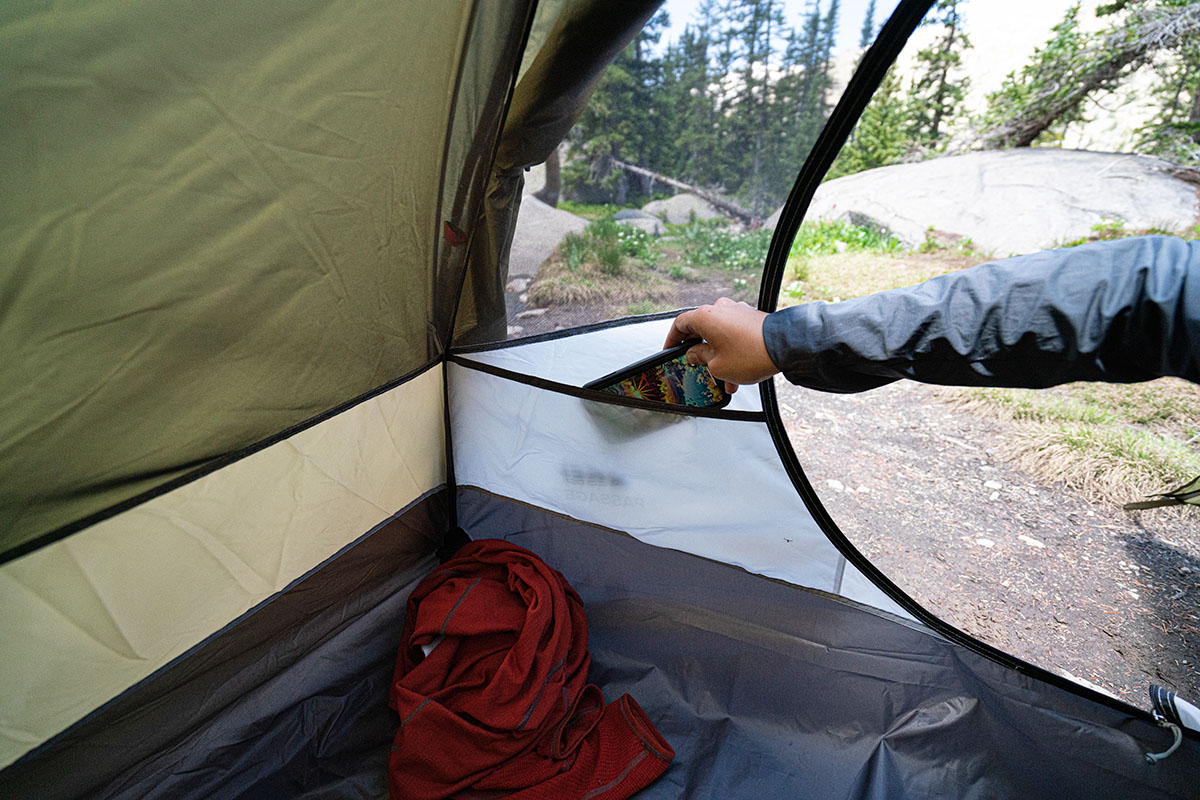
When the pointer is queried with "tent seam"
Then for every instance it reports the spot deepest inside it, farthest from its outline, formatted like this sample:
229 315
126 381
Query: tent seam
207 468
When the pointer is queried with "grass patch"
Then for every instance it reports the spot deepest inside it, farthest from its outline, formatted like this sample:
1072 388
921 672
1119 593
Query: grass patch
606 263
1106 463
834 238
646 307
1113 442
593 211
1108 229
838 277
710 244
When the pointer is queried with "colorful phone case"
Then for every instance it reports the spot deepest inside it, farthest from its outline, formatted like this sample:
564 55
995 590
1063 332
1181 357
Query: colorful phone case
666 377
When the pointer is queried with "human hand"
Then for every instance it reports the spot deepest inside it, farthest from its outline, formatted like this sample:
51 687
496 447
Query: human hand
733 346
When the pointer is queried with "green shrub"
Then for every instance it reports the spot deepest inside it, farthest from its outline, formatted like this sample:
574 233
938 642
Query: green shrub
707 243
1107 229
823 238
575 248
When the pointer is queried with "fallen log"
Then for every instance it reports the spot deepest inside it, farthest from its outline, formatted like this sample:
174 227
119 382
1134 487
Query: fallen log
743 215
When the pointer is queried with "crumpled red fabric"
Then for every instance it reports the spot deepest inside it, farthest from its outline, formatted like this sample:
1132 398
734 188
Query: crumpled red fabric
501 707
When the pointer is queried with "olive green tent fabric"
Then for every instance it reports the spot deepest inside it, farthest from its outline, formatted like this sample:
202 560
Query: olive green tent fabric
219 221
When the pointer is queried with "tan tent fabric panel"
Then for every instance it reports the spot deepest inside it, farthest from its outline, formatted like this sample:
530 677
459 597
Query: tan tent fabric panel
126 596
219 222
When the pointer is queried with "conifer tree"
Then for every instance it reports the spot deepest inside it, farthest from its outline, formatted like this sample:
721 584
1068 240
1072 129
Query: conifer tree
757 24
1174 131
939 86
1073 65
879 138
693 136
867 35
621 122
807 94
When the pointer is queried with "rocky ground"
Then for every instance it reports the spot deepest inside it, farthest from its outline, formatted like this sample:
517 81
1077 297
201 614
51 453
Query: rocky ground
1081 588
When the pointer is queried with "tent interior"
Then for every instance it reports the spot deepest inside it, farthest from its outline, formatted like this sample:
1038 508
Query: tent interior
258 378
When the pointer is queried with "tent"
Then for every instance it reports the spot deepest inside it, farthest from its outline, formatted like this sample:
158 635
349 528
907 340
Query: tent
255 377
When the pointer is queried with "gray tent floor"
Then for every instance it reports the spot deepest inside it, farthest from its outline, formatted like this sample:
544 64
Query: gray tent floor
768 690
763 689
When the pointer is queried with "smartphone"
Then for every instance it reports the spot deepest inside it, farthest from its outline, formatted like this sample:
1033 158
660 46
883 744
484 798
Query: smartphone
666 377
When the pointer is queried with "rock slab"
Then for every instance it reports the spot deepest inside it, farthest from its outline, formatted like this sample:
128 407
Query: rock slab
1011 202
539 230
678 210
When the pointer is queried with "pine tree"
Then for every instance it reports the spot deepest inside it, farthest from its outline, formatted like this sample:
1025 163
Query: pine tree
828 40
867 35
1174 131
879 138
939 87
807 87
622 122
1049 93
757 24
688 78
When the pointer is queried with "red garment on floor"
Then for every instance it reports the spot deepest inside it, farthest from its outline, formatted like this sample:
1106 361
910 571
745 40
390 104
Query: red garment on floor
501 706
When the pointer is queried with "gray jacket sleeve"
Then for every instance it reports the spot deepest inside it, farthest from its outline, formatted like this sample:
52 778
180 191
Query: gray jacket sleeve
1121 311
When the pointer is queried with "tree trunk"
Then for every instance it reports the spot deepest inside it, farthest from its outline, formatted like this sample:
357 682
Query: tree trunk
743 215
551 190
1151 35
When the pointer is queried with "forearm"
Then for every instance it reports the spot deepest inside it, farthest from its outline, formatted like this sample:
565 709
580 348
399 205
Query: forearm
1119 311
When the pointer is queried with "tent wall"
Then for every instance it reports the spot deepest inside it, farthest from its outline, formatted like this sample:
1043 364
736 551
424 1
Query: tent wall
769 690
91 616
713 485
221 221
288 701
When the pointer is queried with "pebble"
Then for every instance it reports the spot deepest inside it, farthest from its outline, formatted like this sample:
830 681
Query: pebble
993 495
1029 540
985 543
532 312
836 485
517 285
993 485
513 330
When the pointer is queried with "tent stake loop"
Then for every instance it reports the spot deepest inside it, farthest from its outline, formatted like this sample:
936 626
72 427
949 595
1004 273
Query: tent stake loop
1163 722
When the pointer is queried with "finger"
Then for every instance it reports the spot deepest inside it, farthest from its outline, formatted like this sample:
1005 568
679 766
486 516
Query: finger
730 388
724 301
681 330
701 353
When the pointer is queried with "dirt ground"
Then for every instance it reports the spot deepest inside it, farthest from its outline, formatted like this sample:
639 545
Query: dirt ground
1081 588
1076 586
